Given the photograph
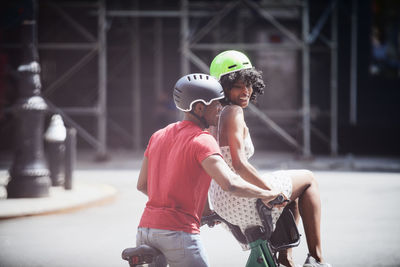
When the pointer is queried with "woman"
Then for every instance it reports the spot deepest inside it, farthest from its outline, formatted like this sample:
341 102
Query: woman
242 83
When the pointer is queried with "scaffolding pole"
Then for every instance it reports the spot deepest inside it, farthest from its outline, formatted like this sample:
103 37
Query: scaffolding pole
159 56
185 66
306 82
334 83
136 82
353 64
102 101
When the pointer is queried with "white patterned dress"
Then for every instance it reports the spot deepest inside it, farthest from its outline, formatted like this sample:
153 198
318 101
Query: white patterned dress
242 211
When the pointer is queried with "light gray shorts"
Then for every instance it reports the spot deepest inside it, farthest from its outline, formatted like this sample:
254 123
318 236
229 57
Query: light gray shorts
179 248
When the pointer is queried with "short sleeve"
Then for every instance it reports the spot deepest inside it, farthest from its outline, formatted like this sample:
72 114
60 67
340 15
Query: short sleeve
205 146
146 152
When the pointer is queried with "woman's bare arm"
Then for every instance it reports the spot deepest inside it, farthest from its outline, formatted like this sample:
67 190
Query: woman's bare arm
234 130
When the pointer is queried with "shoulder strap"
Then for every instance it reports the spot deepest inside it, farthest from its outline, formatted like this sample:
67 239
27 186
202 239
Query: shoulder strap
219 121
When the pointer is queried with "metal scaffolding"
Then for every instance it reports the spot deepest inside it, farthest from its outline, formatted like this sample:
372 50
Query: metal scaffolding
188 47
190 44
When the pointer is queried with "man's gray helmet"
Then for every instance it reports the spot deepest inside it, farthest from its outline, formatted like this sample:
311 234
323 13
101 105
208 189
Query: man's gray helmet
196 87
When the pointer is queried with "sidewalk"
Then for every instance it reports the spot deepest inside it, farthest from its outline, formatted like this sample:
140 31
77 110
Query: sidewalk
85 195
59 200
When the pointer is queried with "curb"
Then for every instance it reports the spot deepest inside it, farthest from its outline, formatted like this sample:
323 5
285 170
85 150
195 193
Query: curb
59 200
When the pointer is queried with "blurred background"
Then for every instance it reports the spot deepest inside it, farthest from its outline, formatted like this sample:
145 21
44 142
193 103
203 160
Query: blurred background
332 69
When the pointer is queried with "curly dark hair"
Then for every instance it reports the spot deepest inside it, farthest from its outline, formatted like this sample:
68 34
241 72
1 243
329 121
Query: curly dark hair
251 77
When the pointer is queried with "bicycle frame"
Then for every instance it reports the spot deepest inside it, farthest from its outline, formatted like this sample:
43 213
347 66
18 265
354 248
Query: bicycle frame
260 255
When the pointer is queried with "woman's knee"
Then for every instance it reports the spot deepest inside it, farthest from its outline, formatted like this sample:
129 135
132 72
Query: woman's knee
309 177
302 179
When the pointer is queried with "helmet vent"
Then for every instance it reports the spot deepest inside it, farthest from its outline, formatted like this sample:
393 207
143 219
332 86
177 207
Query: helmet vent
194 76
179 90
188 77
245 63
232 66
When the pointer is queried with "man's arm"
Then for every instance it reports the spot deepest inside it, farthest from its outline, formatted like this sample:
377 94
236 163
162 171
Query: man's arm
229 181
142 181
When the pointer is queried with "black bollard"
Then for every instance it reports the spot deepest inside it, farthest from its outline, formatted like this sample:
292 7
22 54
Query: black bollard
70 157
55 148
29 176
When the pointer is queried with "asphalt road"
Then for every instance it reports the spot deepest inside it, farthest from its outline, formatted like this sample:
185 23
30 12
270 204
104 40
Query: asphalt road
360 226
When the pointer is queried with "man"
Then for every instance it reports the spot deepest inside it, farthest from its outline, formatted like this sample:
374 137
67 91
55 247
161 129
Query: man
176 172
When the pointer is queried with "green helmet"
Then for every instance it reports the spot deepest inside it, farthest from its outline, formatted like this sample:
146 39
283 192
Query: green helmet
227 62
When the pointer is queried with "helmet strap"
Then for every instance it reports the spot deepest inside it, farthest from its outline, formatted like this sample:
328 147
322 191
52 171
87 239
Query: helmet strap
201 119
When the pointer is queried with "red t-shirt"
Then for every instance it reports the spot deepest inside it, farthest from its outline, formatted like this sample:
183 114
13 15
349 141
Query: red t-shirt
177 185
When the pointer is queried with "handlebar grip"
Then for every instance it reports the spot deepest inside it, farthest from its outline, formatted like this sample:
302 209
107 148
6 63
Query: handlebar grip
278 200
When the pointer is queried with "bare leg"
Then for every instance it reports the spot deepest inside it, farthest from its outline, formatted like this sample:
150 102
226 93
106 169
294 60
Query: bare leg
305 188
285 256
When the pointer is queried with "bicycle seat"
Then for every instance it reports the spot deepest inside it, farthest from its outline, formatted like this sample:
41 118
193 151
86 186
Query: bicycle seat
140 255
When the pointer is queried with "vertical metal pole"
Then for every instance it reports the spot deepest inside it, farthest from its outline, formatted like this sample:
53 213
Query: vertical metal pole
70 157
306 82
353 64
216 34
334 82
158 51
185 66
102 101
240 26
136 81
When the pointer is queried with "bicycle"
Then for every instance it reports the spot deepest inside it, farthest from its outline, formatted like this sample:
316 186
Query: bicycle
264 243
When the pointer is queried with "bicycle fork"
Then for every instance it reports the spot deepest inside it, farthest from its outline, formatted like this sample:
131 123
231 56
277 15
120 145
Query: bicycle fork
261 253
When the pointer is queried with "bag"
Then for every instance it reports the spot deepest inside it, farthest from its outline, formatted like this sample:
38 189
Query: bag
286 234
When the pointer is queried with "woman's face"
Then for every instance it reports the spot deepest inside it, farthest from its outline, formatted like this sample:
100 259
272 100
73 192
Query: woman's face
240 94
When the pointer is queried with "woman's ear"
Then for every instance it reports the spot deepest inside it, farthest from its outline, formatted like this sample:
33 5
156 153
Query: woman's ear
226 98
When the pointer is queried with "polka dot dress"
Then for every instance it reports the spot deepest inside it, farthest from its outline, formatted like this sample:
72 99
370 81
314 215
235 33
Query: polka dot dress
242 211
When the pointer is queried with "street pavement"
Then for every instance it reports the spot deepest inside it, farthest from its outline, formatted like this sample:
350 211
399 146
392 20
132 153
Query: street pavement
360 218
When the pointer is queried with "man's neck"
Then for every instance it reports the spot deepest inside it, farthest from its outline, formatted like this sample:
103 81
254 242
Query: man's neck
191 118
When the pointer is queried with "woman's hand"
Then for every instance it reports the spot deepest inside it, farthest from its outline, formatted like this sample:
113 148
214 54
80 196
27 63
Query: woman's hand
275 194
286 201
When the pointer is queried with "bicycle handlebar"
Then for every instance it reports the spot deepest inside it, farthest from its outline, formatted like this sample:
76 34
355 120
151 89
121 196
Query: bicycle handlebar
278 200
